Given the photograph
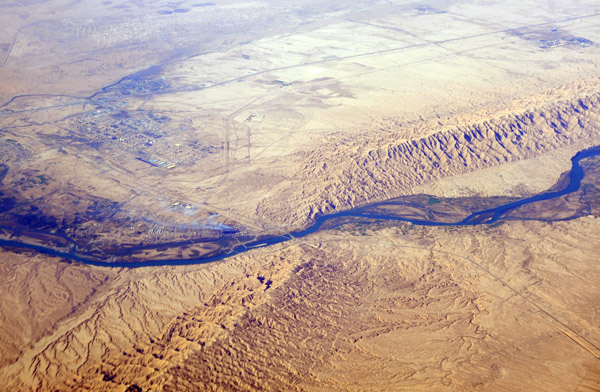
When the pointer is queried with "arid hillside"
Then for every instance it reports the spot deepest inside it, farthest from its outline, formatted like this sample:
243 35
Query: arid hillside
358 173
512 307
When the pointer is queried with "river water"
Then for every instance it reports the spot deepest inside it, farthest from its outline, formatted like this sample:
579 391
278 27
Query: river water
482 217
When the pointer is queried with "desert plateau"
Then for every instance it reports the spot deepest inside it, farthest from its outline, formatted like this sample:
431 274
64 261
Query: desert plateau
379 195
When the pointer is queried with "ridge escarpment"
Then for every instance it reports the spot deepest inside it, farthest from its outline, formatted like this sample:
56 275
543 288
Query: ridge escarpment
341 179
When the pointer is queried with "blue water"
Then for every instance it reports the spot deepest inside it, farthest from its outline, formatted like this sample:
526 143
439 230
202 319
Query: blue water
483 217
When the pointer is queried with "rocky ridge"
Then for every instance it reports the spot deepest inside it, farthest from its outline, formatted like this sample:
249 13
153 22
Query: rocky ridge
355 175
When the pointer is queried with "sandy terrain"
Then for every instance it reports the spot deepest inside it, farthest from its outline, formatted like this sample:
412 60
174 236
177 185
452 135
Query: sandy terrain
133 131
512 307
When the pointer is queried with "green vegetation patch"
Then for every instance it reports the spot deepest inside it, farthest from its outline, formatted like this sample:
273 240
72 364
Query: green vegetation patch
433 200
43 179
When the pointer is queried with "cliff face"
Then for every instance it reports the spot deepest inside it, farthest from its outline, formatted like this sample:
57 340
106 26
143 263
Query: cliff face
493 142
341 180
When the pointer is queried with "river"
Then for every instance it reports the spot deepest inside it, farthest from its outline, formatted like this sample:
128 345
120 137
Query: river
482 217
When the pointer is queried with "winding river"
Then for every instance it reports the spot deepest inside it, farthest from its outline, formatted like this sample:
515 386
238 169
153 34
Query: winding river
483 217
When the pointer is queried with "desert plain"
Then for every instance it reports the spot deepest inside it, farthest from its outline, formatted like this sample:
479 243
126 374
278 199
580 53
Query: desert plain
141 140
